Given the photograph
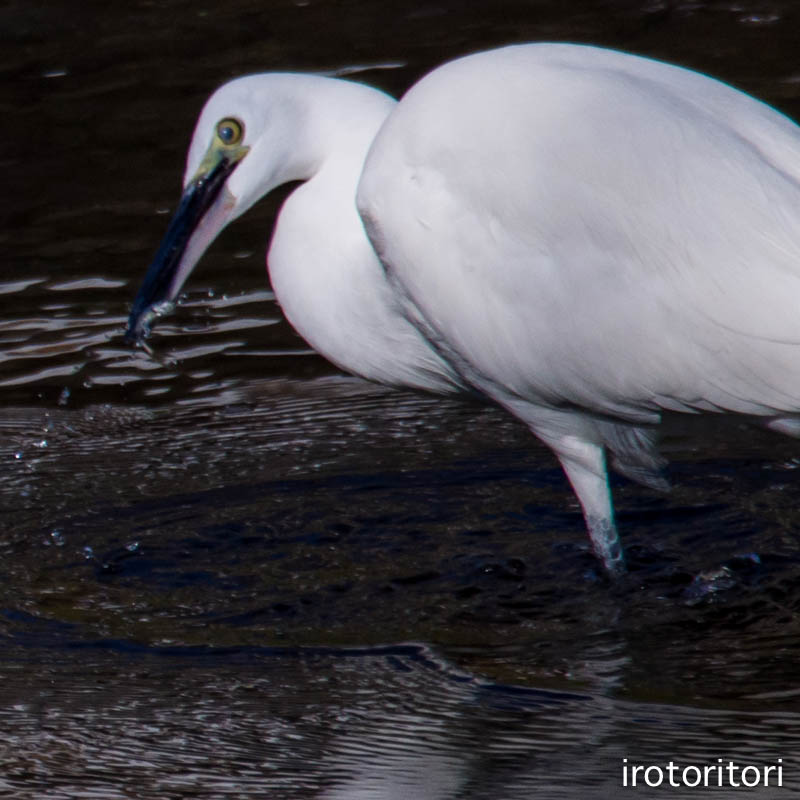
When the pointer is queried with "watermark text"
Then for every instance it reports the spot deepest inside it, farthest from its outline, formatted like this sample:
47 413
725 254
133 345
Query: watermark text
723 773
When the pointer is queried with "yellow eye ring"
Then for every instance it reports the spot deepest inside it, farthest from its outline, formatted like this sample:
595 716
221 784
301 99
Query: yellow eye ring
230 131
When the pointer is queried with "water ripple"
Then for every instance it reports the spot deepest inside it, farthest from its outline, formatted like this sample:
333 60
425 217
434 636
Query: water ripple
76 345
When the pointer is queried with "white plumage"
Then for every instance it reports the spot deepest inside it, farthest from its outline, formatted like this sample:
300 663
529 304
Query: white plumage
586 237
323 270
594 238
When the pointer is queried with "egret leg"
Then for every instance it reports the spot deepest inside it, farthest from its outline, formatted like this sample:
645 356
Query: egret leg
585 466
584 462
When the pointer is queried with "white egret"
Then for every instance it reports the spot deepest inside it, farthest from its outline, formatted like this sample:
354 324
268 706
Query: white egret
586 237
261 131
592 238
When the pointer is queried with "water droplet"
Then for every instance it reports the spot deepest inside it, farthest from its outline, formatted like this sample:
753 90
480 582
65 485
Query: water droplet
63 398
132 547
88 552
760 19
58 538
18 455
41 445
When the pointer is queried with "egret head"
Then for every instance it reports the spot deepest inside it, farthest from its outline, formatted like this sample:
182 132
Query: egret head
245 144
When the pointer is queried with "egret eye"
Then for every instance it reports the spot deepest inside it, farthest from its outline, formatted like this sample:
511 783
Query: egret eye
230 131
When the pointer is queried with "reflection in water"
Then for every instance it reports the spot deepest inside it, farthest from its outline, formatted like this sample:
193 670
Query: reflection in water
387 723
182 531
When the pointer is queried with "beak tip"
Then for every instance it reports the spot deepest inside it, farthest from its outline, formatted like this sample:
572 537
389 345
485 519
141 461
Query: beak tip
136 334
134 337
137 329
141 320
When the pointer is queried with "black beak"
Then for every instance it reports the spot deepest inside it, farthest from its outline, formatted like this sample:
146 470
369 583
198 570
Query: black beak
156 294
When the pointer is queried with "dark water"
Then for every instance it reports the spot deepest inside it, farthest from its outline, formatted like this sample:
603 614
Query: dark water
228 571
